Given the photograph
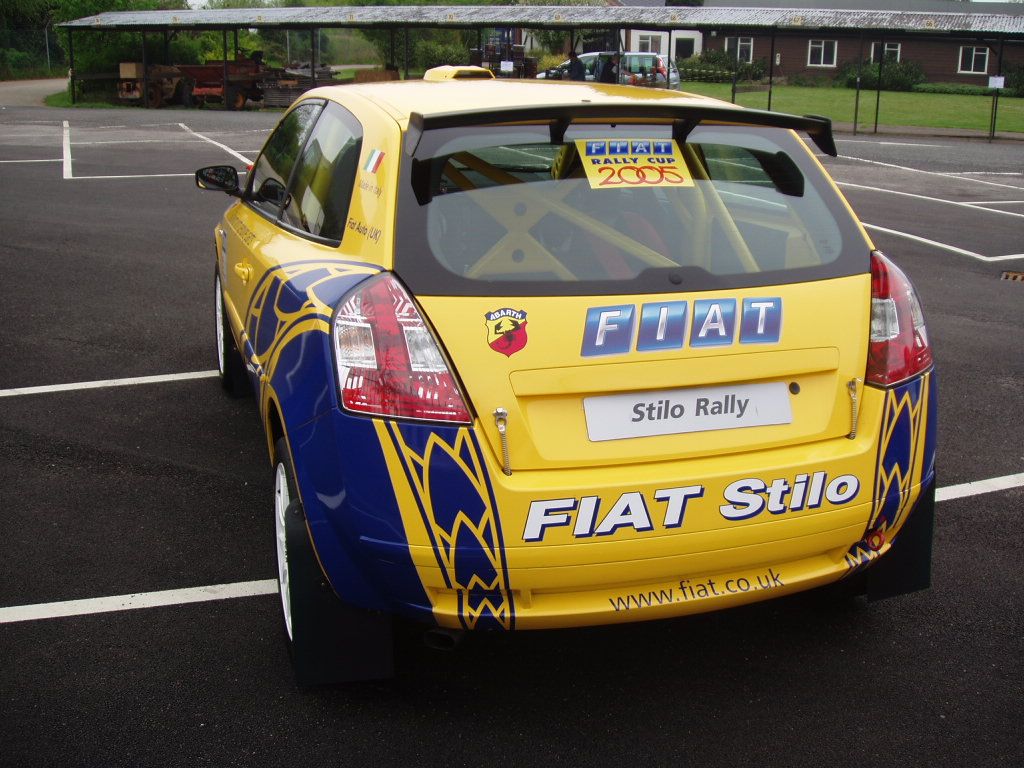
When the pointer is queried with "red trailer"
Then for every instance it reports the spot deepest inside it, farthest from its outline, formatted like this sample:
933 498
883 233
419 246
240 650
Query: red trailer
206 81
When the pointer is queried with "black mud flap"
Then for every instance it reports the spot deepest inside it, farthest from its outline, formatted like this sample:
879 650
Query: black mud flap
907 567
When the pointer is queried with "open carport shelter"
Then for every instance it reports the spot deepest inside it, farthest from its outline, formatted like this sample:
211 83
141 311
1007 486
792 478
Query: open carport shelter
1002 33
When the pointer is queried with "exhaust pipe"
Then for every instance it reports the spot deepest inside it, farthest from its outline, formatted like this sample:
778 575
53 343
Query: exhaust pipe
442 638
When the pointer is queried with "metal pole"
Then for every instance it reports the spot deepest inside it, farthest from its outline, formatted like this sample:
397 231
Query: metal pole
856 98
71 56
671 59
736 71
288 45
771 71
46 38
312 54
391 48
995 93
224 69
405 32
167 47
234 34
145 73
878 91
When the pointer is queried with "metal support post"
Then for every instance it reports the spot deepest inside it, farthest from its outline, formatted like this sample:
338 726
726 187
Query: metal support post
995 93
405 32
224 69
167 47
71 63
856 98
878 91
234 34
312 55
771 71
145 73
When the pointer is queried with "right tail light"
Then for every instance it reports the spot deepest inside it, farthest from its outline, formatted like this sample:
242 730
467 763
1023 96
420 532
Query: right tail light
898 349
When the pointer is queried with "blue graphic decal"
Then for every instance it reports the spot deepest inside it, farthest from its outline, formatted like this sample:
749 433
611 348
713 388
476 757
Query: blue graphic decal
662 326
714 323
618 147
609 330
640 147
762 321
597 148
446 473
907 419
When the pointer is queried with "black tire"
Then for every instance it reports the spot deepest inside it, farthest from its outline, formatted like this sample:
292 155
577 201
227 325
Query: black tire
233 376
328 641
154 96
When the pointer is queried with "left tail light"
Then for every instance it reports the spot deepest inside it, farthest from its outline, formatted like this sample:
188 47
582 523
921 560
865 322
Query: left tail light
898 348
388 361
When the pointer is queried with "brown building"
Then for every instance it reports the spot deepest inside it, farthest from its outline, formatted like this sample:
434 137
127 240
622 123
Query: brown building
819 52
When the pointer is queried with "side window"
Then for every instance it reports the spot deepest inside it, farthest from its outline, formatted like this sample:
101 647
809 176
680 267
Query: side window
322 185
273 167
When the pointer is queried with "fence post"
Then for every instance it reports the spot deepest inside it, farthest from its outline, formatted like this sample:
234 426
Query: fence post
856 98
71 56
878 91
771 71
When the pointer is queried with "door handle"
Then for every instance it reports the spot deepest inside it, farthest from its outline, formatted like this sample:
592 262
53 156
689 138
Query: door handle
244 271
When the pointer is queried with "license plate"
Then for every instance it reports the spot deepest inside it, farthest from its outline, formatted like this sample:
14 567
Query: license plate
678 411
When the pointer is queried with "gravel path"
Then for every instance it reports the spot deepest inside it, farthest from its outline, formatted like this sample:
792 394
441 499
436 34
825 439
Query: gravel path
29 93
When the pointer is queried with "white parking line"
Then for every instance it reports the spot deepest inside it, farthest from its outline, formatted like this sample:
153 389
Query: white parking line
225 147
51 160
980 486
930 173
67 150
957 203
926 241
18 391
138 600
169 597
887 143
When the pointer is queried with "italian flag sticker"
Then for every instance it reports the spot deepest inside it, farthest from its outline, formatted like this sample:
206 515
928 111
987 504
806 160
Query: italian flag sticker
373 161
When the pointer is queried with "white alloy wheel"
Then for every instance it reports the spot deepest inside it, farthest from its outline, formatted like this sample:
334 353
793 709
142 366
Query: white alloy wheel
282 498
219 311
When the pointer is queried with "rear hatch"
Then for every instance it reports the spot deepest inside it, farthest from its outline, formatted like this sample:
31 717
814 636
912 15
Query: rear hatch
622 293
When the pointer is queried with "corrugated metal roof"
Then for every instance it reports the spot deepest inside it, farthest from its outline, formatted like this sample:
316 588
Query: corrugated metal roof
557 16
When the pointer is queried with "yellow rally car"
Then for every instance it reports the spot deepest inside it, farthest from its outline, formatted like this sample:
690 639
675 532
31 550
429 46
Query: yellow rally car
537 355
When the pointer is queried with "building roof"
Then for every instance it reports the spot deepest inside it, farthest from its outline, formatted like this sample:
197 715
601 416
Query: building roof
564 17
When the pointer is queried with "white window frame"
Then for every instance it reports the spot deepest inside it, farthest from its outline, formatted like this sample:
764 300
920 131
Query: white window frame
974 52
892 51
738 44
649 43
822 46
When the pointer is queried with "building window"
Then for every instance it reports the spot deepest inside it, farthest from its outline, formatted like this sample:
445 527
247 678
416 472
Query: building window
649 43
892 52
821 53
740 48
973 60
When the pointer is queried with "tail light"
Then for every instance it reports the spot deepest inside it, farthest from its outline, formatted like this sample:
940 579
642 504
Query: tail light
898 348
388 362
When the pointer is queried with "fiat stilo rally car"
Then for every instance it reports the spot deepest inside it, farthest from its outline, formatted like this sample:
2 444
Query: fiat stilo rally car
536 355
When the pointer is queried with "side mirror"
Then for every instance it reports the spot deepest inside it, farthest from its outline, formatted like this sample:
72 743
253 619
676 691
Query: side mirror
222 178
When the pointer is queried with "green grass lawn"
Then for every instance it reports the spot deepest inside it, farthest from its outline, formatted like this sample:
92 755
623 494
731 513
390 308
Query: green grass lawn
925 110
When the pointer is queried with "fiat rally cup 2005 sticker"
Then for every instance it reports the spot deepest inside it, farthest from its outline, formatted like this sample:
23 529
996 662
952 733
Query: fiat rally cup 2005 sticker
616 163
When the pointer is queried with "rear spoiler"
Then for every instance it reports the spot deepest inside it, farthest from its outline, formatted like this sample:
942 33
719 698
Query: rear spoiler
684 119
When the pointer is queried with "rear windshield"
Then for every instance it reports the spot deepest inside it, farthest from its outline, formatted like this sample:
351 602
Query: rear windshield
618 209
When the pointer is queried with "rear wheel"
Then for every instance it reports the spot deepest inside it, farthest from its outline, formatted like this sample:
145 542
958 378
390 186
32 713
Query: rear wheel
154 96
233 377
328 641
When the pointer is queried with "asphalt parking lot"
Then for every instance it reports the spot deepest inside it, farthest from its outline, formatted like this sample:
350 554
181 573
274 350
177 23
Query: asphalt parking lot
127 487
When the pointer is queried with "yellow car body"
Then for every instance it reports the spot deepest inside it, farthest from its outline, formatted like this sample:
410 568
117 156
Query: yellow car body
570 496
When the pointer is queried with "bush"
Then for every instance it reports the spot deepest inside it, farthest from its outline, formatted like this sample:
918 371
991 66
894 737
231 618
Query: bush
1015 80
720 67
957 89
431 54
896 75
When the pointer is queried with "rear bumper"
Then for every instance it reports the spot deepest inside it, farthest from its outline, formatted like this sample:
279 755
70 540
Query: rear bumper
419 521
